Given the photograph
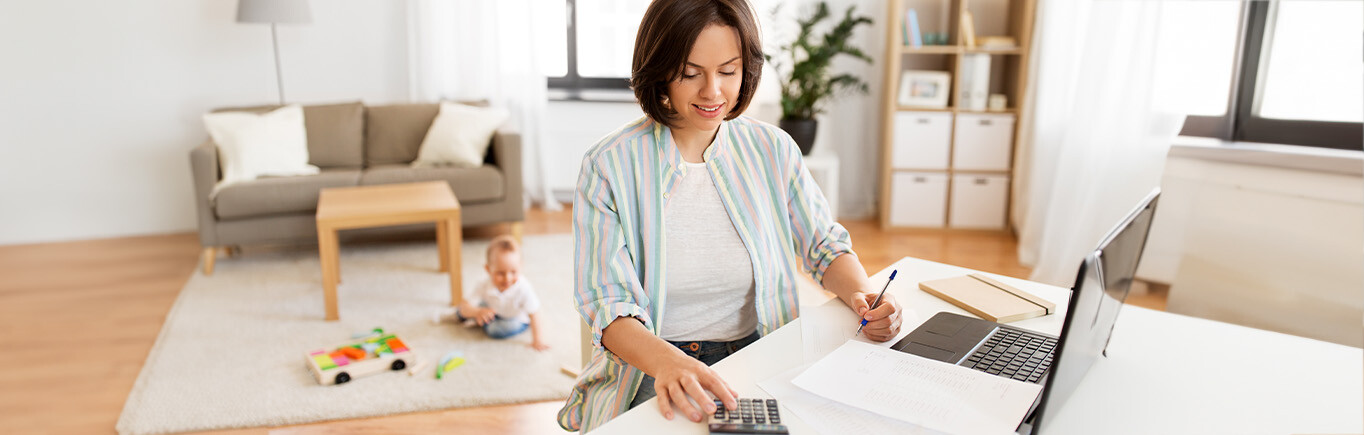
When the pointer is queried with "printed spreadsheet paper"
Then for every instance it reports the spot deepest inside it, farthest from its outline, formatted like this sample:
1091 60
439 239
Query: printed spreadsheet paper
914 389
829 417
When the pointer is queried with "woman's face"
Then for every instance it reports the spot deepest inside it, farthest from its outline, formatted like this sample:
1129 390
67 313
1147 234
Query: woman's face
709 85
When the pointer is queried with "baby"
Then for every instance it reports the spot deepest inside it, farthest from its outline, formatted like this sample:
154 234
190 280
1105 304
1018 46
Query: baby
504 304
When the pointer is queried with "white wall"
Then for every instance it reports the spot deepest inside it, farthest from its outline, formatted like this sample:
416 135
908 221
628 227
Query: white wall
571 127
100 102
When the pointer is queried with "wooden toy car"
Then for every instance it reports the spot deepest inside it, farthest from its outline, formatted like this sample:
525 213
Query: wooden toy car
361 357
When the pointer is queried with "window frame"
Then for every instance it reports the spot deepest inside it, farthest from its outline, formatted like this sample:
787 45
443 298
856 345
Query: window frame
1240 124
571 82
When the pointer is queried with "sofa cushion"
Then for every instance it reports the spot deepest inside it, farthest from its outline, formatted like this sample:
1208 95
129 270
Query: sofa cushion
394 133
336 133
470 185
251 145
278 195
460 136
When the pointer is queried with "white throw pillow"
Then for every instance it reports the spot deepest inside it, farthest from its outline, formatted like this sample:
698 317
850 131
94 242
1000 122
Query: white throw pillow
460 136
251 145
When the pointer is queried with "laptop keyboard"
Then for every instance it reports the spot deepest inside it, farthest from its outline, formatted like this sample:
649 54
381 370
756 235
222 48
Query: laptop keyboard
1013 354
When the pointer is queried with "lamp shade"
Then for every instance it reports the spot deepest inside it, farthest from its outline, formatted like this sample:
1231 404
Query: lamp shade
274 11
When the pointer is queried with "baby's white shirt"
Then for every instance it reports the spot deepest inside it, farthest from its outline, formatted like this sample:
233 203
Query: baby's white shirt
518 302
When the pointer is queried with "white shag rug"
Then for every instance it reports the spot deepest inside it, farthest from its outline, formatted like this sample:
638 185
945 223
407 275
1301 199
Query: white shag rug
231 352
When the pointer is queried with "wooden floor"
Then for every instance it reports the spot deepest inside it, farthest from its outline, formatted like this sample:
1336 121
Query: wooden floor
77 320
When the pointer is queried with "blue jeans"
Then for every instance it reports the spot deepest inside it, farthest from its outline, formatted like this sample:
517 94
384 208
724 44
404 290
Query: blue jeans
500 327
708 352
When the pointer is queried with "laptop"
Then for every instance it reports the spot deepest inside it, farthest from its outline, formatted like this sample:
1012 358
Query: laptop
1058 363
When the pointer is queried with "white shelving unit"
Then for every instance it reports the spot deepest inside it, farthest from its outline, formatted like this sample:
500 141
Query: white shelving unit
945 167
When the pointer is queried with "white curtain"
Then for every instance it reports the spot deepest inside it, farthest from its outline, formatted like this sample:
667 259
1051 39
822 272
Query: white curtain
484 50
1095 144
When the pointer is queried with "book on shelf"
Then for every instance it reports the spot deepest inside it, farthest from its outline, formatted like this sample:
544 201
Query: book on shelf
968 29
913 37
904 33
975 81
996 42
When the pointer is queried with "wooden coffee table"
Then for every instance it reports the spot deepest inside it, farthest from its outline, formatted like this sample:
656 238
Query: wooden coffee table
344 208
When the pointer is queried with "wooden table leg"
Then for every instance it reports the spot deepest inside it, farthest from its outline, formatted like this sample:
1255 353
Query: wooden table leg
336 257
327 255
443 245
452 248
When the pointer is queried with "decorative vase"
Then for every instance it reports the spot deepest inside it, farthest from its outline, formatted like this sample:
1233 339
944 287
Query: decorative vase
803 131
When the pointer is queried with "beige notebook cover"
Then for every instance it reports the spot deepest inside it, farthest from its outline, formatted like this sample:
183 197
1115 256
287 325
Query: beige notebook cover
988 298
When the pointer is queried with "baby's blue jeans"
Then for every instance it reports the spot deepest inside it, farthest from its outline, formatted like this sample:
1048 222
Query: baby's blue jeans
500 327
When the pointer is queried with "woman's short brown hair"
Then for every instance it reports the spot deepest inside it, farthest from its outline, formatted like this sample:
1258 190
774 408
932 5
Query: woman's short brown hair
665 39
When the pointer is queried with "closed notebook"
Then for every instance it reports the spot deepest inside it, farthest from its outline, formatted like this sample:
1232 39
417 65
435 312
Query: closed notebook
988 298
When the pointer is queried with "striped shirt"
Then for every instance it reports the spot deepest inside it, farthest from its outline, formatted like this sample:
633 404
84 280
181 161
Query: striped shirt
618 236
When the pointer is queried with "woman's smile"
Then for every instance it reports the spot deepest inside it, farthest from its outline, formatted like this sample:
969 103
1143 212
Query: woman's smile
709 111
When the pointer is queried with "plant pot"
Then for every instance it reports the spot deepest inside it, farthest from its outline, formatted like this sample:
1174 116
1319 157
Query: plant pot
803 131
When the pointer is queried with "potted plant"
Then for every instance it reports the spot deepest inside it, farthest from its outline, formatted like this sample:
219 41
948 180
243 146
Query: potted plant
808 84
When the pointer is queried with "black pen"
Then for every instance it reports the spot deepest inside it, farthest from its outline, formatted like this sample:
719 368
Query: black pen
878 300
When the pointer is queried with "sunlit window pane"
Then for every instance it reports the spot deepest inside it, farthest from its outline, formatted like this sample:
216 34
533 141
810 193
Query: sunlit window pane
551 37
1197 48
606 36
1314 68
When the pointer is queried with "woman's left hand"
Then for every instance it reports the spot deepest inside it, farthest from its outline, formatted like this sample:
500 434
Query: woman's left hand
883 322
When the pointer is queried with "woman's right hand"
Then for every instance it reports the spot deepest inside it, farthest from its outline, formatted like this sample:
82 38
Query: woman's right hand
677 376
684 377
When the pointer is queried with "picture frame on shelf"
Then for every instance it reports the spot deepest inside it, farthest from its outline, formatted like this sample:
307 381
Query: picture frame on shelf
921 88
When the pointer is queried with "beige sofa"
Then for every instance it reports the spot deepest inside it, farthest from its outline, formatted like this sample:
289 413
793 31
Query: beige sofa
354 145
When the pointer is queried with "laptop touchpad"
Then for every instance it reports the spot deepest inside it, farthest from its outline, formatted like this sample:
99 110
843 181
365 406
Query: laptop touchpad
947 326
930 352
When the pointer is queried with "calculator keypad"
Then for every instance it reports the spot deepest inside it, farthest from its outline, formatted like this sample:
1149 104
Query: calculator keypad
751 411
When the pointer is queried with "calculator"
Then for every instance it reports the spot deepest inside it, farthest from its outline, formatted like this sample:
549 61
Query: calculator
754 416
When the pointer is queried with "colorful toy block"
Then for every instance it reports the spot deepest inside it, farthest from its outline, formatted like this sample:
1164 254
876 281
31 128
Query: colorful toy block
362 356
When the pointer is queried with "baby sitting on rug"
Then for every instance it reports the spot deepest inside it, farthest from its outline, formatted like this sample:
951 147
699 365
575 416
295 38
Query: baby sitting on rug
505 303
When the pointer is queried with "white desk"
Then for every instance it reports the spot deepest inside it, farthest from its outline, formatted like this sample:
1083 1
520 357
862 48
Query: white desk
1165 373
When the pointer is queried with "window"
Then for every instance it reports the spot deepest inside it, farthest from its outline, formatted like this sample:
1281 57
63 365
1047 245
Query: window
1197 56
1311 64
551 31
591 44
1275 72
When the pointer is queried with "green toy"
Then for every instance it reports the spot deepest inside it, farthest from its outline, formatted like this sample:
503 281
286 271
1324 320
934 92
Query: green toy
449 362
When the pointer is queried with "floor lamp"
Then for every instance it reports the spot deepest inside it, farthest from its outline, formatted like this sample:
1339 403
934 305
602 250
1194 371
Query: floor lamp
274 12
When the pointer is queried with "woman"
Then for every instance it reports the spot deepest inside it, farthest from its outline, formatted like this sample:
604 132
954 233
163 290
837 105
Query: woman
688 222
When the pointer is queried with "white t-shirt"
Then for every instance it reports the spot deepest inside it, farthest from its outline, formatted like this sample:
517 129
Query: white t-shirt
710 277
517 302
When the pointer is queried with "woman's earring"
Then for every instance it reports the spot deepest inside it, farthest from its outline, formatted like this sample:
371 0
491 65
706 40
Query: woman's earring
666 103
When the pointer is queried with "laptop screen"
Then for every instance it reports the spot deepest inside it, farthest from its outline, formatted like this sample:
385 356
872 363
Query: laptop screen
1101 286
